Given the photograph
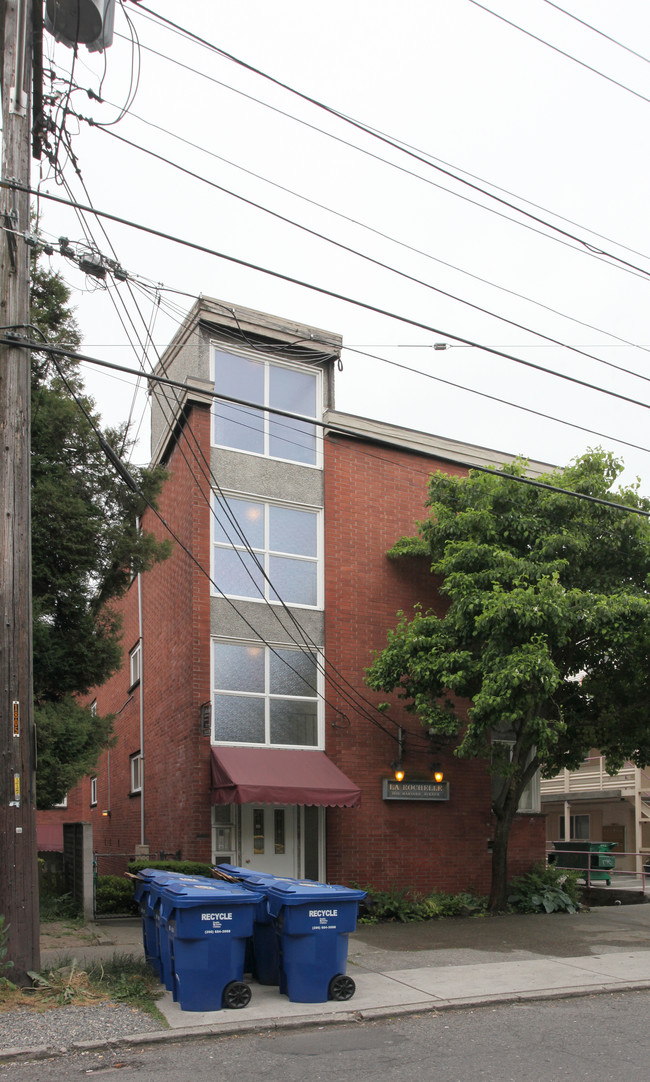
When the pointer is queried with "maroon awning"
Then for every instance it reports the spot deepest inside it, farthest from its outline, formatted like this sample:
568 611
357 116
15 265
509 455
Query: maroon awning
279 776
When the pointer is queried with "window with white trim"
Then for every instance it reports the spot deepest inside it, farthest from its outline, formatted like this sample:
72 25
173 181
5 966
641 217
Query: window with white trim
93 792
135 665
285 543
265 695
253 428
135 764
530 799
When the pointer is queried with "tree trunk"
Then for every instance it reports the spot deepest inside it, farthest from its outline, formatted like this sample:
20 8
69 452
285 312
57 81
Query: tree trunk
499 888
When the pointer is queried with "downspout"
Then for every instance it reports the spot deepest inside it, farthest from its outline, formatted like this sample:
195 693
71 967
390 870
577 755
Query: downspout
142 760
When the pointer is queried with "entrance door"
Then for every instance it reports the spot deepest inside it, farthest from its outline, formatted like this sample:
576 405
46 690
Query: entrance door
269 838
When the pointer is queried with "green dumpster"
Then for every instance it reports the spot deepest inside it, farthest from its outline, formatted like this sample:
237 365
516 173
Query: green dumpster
593 860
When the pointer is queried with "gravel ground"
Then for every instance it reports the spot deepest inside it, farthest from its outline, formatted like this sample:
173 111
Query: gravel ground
60 1027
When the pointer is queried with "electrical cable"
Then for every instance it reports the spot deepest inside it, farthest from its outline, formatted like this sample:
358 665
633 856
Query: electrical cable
601 33
384 138
333 294
132 484
375 262
562 52
331 427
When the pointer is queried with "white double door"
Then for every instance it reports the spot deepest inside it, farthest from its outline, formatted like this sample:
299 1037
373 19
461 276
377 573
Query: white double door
269 838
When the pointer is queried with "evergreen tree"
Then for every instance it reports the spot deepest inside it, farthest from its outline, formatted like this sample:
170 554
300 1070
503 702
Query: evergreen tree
86 546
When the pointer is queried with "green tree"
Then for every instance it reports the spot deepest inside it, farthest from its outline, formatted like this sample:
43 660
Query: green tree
86 546
543 652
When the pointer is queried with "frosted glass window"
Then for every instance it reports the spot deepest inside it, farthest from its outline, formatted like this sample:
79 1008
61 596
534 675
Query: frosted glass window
293 722
239 668
292 672
239 719
293 531
254 428
283 563
264 695
293 581
240 427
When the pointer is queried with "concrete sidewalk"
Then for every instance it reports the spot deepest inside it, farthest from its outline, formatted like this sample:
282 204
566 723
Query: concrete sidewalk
436 965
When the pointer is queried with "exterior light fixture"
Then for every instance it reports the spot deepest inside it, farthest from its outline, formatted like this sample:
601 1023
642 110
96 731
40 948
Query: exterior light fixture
438 773
106 814
397 763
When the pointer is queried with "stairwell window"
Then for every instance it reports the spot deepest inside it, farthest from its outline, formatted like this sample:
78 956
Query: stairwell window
93 792
265 695
135 762
135 667
254 539
253 428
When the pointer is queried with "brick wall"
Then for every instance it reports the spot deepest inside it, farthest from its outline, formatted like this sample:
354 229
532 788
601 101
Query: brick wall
374 495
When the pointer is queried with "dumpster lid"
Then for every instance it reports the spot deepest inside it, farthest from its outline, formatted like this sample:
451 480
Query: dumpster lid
190 894
295 893
280 776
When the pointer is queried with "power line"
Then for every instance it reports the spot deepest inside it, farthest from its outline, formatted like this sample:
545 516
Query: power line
601 33
331 427
386 236
391 141
370 259
333 294
562 52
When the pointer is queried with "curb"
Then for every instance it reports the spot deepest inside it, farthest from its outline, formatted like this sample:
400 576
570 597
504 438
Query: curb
262 1026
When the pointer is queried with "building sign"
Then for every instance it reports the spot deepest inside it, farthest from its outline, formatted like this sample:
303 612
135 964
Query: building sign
414 790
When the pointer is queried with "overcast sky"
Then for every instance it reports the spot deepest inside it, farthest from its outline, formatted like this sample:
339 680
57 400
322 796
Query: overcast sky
475 96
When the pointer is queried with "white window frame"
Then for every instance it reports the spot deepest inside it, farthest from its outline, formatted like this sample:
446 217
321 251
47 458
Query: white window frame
135 772
530 801
264 555
63 803
135 664
252 355
268 697
93 791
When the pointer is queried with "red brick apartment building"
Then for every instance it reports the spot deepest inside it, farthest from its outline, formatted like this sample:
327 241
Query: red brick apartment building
244 731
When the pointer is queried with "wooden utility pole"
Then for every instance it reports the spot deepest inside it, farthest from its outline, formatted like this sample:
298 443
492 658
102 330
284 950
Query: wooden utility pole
18 859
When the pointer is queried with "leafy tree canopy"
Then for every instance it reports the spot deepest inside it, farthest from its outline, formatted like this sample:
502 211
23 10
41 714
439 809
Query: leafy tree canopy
543 652
86 546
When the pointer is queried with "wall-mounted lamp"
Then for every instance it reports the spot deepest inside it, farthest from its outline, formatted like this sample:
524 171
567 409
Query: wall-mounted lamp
106 814
397 763
438 774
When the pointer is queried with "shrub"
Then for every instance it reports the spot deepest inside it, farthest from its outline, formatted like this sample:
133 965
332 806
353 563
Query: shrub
465 904
405 905
113 894
58 907
545 889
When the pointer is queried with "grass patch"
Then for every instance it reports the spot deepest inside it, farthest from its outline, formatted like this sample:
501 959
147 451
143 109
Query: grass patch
120 979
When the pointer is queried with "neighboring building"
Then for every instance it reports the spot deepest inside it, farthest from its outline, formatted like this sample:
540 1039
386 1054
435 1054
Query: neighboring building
601 807
244 730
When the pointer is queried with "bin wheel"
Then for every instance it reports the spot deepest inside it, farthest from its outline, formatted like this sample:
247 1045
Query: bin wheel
236 995
341 987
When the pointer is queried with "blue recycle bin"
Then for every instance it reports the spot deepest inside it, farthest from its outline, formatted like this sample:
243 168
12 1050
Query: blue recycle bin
265 957
207 927
161 961
313 921
142 890
147 889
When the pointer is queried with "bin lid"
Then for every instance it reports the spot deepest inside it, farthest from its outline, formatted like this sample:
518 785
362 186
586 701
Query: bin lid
189 895
297 893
